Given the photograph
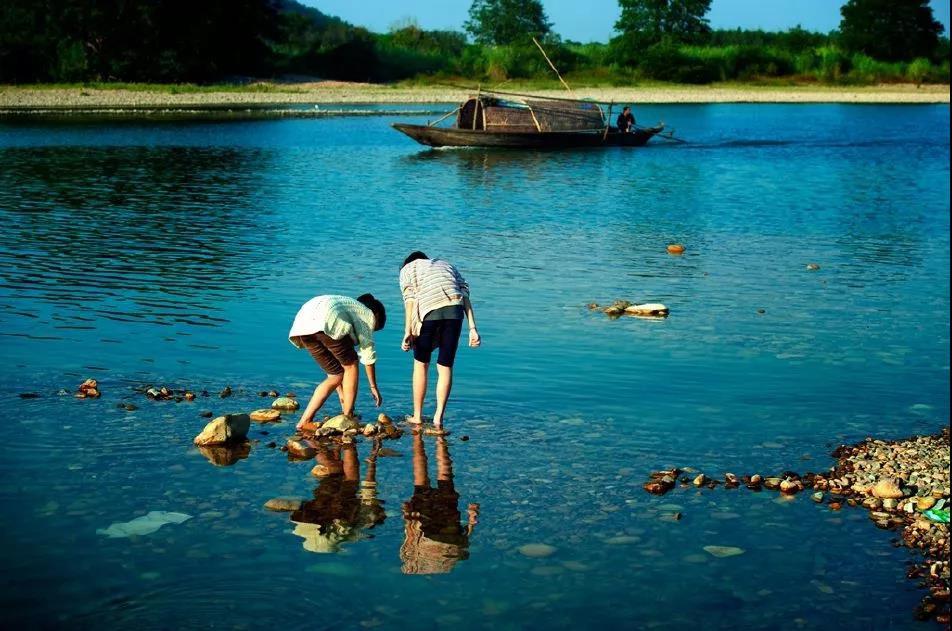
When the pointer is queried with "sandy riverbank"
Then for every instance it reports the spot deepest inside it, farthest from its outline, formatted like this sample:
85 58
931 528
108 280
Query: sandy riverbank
38 97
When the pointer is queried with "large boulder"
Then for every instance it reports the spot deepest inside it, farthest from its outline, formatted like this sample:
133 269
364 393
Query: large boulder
230 428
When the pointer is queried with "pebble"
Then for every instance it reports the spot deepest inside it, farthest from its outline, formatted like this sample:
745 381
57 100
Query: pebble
266 416
812 267
283 504
224 394
675 248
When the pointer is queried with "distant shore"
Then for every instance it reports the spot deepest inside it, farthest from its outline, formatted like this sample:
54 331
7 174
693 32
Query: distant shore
25 99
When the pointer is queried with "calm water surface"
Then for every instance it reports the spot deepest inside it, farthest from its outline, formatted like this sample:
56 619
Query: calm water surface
178 254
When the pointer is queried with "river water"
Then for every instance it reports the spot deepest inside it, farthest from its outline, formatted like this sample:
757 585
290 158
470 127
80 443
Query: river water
178 253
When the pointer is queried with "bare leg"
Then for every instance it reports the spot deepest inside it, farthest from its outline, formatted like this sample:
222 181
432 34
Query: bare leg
321 392
419 390
444 384
350 389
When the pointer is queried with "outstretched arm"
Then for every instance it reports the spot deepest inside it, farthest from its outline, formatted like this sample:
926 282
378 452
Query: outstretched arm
474 339
372 380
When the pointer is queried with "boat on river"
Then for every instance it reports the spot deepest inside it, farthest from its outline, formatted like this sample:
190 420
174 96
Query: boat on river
509 119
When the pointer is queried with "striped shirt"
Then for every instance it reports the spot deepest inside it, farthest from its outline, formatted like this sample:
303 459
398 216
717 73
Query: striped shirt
431 284
337 317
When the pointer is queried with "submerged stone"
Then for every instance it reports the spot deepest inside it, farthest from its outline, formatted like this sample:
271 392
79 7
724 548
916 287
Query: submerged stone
144 525
537 550
722 552
283 504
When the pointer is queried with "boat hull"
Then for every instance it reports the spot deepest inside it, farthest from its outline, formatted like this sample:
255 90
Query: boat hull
452 137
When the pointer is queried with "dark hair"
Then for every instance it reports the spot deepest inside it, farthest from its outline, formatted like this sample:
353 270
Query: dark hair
380 314
627 107
413 257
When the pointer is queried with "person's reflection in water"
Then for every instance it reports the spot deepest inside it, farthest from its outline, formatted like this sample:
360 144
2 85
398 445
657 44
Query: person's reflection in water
434 539
338 514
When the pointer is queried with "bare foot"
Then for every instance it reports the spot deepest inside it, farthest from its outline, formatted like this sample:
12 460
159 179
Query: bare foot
436 430
414 420
308 426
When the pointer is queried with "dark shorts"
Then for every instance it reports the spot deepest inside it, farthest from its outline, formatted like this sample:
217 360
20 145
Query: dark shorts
330 354
442 334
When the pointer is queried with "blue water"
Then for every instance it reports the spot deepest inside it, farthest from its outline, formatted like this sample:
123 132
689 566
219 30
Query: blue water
177 254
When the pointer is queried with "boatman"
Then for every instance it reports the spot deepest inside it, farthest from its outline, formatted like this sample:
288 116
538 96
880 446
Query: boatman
626 121
329 327
436 297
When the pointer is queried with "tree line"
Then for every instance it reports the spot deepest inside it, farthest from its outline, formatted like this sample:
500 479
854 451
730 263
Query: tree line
204 41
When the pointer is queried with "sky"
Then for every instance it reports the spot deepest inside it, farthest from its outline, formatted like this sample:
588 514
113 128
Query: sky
592 20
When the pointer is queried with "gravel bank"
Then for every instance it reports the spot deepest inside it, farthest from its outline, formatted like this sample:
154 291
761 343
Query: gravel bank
16 97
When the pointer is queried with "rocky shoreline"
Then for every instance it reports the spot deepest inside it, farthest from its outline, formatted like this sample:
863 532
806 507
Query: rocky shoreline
16 100
904 484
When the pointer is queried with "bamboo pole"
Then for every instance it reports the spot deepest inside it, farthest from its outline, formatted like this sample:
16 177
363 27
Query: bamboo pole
551 65
608 120
444 117
476 107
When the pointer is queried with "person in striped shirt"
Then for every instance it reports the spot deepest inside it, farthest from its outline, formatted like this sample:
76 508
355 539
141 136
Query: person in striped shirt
436 298
329 327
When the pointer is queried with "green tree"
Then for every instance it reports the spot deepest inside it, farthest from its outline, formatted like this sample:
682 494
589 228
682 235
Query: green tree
891 30
504 22
644 23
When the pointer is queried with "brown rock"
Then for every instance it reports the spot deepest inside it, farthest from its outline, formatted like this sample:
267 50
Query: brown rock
284 504
229 428
299 448
887 488
265 416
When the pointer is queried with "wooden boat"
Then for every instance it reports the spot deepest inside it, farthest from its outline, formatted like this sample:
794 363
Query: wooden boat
508 119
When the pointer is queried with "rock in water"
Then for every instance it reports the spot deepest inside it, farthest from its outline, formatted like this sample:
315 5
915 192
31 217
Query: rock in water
675 248
224 429
283 504
285 403
145 525
655 309
537 550
265 416
226 455
300 448
340 423
887 488
722 552
812 267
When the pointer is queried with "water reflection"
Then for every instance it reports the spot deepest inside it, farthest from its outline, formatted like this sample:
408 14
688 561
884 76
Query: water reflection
344 506
129 233
226 455
434 539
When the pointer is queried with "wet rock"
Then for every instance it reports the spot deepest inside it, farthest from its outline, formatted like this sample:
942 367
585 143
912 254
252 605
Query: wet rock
817 497
300 448
291 395
790 486
537 550
723 552
836 505
29 395
224 429
464 438
700 480
369 429
189 396
263 393
731 481
273 394
592 306
340 423
890 503
772 483
205 414
89 389
812 267
653 309
925 503
224 394
383 419
887 488
675 248
283 504
755 482
271 445
761 311
285 403
266 416
128 407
